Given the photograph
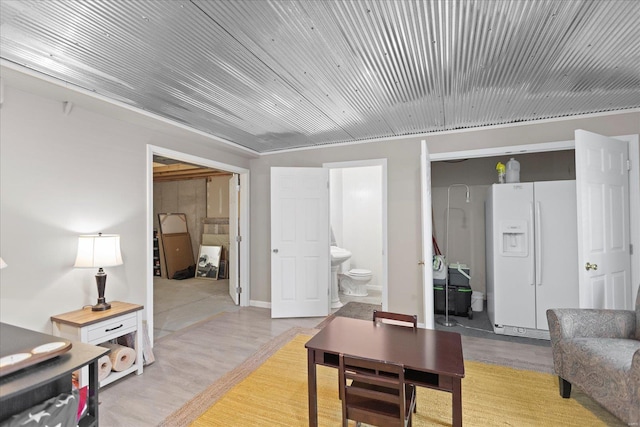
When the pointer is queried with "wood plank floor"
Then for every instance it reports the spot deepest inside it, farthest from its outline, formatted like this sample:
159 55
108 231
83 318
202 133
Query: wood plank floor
190 359
186 363
180 303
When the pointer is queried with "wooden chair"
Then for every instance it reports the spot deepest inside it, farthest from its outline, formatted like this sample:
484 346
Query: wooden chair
396 318
409 320
375 393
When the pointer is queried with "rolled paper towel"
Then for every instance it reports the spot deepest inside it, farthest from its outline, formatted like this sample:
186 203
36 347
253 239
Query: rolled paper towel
104 367
122 357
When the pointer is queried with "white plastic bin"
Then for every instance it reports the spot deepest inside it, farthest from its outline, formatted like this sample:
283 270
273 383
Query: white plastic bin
513 171
477 301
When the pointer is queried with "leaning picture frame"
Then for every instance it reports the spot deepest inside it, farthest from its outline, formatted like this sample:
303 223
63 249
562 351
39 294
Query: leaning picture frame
208 264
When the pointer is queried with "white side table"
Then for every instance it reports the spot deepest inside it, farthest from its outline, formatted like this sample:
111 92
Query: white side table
97 327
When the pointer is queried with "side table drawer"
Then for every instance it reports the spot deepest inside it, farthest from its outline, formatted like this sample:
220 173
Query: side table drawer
111 328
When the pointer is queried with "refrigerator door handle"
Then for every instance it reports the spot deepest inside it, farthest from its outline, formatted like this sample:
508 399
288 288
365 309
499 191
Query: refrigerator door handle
538 245
532 271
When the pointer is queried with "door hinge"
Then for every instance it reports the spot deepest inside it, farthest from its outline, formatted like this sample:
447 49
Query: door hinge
239 289
630 248
628 164
238 238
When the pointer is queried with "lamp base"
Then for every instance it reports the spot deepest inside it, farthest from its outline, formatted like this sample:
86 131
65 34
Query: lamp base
447 322
101 306
101 282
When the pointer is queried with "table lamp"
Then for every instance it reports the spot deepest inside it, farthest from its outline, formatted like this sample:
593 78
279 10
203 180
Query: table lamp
99 250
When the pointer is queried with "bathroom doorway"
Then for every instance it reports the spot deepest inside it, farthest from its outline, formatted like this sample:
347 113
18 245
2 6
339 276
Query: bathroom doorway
358 218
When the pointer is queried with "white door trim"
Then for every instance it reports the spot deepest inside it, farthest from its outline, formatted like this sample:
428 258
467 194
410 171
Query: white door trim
634 208
244 222
234 233
501 151
385 258
634 184
427 235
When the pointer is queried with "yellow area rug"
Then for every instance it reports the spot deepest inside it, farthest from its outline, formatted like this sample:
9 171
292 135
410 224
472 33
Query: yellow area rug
275 394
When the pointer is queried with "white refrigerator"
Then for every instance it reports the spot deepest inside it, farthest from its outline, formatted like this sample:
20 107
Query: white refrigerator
531 255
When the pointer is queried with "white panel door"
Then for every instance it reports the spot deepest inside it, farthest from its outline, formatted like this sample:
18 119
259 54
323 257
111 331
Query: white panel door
232 262
604 260
427 236
300 264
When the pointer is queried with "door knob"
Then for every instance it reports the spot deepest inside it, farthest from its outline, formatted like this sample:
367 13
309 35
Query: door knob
420 262
590 266
275 251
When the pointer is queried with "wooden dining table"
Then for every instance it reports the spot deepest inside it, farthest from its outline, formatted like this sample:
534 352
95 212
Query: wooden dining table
431 358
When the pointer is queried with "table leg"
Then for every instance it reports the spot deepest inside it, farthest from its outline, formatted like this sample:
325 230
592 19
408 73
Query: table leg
92 390
456 396
313 392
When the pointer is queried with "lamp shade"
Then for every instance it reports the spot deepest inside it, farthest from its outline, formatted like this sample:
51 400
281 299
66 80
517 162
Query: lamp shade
2 264
98 250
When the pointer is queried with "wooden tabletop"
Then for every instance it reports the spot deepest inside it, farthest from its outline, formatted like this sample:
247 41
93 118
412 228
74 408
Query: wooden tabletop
424 350
86 316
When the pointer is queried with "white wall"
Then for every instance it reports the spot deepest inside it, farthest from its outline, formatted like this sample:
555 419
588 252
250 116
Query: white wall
63 175
358 216
86 172
403 213
335 204
403 169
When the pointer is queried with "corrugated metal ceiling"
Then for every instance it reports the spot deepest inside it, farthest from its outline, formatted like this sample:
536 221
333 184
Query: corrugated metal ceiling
273 75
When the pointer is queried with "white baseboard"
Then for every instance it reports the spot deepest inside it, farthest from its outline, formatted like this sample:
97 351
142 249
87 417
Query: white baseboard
261 304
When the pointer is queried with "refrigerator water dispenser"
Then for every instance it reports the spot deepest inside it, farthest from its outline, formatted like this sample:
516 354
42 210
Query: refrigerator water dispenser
513 241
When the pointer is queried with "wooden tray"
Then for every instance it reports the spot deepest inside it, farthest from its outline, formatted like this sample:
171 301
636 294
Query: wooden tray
31 356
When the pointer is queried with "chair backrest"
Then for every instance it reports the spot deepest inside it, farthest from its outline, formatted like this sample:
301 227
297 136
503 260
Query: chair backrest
396 318
376 394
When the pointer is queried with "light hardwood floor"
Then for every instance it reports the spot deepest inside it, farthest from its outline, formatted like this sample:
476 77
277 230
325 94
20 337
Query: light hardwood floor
180 303
190 359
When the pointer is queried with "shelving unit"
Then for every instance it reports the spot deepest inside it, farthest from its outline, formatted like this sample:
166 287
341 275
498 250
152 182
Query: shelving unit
97 327
157 270
32 385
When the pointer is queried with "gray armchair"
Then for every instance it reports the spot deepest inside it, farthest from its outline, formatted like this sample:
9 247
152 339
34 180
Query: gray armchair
599 352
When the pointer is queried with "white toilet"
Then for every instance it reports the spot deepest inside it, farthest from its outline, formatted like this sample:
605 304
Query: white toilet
354 281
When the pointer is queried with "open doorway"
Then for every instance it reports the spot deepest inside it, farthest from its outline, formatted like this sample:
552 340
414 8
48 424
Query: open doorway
358 217
202 191
466 229
505 153
191 206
